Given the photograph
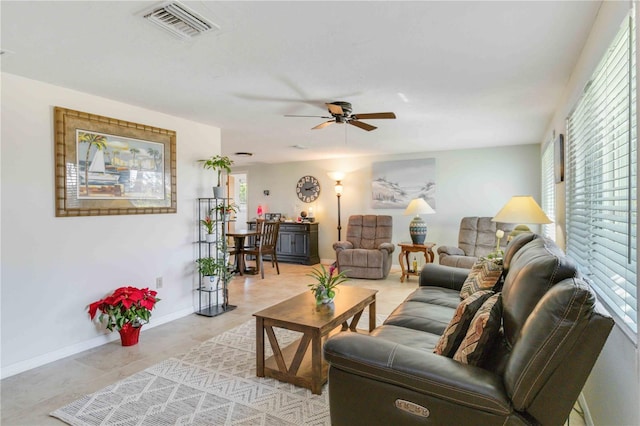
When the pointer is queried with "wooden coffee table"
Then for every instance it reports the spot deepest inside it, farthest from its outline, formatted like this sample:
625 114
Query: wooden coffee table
294 364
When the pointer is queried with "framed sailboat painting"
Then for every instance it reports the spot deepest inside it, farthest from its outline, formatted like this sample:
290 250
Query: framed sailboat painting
107 166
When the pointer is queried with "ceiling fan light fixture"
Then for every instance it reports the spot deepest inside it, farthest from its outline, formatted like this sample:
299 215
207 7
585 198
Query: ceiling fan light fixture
341 112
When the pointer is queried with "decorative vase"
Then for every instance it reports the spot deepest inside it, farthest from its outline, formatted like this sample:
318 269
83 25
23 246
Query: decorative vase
211 238
218 192
418 230
323 299
129 334
211 282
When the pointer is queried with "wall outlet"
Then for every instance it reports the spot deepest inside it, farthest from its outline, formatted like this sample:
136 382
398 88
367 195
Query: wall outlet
159 282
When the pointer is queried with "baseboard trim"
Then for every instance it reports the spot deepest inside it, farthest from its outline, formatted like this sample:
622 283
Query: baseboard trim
22 366
582 401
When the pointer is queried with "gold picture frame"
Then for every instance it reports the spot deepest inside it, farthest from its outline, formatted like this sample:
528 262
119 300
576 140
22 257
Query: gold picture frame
105 166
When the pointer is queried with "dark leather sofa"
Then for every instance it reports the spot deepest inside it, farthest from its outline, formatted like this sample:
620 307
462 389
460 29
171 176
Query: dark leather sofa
550 338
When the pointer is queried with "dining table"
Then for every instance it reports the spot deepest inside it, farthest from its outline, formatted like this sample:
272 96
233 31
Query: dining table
239 238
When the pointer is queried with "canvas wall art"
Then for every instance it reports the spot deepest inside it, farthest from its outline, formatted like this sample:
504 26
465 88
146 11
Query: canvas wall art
395 183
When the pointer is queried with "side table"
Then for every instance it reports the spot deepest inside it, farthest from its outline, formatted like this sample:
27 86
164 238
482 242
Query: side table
405 249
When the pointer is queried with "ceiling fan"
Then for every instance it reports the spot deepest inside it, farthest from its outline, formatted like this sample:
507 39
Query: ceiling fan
341 113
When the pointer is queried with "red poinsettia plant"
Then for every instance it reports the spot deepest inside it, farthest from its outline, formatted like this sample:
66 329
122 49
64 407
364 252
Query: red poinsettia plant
127 305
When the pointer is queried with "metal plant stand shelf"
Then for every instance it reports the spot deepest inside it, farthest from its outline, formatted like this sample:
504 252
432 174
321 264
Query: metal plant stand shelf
213 301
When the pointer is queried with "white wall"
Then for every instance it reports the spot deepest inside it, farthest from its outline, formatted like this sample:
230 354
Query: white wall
52 268
613 389
476 182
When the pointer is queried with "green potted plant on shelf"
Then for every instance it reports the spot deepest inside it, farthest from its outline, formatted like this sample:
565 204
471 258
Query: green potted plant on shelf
208 224
213 271
225 211
218 163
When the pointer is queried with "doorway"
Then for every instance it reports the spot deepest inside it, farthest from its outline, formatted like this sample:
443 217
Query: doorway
238 196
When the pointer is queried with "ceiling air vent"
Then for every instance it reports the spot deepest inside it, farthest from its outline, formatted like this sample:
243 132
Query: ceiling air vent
178 20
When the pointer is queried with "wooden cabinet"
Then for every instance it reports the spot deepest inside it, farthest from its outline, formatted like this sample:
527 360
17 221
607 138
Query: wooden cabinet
297 243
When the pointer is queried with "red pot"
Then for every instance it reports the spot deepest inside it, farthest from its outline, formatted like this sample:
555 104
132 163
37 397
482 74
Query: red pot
129 334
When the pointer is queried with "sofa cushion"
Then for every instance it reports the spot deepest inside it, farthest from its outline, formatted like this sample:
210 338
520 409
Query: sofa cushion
369 231
548 338
484 275
361 263
421 316
415 339
534 269
514 246
459 324
435 296
482 333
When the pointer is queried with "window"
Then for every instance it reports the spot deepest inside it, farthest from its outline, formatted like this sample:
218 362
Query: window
548 190
601 181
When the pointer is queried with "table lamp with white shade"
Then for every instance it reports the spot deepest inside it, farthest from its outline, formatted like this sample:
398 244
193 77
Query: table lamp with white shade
418 227
521 210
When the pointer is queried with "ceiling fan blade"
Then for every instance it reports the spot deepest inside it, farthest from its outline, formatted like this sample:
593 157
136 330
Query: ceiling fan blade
314 116
375 115
363 126
323 125
335 109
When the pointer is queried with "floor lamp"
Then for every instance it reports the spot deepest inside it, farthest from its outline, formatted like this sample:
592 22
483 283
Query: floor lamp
338 176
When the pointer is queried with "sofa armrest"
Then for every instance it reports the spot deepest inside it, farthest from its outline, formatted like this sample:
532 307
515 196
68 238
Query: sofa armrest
422 372
342 245
436 275
388 247
450 250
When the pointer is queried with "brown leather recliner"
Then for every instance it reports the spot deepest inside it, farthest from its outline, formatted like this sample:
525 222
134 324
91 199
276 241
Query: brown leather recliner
367 251
476 238
550 338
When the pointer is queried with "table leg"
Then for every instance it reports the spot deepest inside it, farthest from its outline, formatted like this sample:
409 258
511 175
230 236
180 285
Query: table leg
316 363
239 254
401 265
372 316
259 347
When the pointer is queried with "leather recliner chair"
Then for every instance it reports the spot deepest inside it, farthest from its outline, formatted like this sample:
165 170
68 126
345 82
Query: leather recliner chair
367 251
550 338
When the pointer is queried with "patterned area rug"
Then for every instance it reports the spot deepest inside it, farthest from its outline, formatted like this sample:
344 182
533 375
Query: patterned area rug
214 383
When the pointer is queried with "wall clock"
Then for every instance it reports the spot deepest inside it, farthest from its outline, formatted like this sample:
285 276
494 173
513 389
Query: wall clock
308 189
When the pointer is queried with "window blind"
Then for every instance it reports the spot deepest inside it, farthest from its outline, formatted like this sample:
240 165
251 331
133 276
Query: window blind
548 199
601 181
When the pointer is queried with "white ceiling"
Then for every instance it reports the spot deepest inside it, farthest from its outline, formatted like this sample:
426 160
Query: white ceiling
457 74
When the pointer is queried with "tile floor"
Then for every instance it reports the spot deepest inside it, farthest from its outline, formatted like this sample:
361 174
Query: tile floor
27 398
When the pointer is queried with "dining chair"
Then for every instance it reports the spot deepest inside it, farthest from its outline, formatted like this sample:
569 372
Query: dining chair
253 242
267 245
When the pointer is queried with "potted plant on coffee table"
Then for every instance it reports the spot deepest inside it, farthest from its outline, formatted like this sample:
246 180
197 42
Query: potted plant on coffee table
324 289
218 163
126 310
